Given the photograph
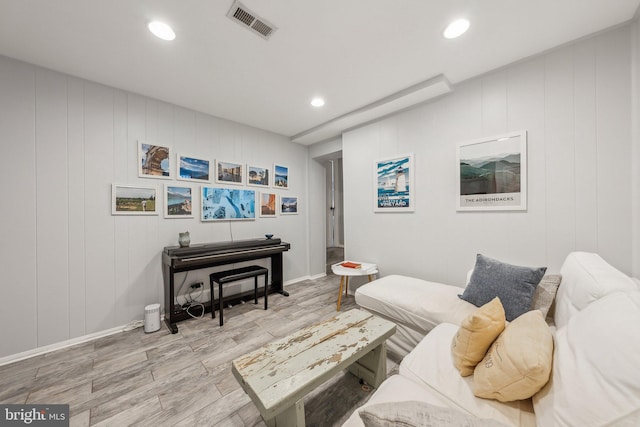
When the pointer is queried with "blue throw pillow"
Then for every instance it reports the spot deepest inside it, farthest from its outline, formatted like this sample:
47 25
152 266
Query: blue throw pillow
514 285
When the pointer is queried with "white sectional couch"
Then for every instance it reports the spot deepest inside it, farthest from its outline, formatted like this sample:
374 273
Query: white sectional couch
595 379
416 306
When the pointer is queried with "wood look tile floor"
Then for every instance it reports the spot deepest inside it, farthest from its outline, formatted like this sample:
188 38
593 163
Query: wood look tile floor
183 379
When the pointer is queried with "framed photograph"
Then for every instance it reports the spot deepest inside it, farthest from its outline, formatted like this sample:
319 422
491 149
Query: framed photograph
229 173
224 204
258 176
193 169
492 173
288 205
154 161
393 184
281 176
133 200
179 201
268 204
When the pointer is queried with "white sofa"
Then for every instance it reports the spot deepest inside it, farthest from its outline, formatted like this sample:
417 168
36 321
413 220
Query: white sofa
595 380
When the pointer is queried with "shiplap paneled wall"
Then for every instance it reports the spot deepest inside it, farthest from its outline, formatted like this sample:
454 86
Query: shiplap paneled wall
575 104
635 122
70 268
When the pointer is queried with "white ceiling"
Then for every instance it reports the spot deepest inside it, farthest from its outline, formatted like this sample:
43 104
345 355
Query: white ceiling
352 52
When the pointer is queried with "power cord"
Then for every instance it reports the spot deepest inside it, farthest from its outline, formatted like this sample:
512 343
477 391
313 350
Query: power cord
193 302
180 288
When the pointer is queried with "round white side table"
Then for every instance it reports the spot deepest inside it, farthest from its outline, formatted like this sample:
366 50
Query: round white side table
366 269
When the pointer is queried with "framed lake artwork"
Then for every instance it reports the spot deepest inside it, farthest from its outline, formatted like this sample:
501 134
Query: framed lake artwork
258 176
288 205
281 176
492 173
178 201
133 200
229 173
225 204
193 169
268 205
393 184
154 161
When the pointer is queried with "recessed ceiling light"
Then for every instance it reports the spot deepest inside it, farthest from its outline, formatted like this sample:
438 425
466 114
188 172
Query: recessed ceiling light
161 30
456 28
317 102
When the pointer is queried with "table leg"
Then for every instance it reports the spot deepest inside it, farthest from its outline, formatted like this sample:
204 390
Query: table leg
293 416
346 287
372 367
340 293
370 277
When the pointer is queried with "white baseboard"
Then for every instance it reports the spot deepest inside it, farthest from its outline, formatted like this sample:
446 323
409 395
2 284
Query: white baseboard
68 343
303 278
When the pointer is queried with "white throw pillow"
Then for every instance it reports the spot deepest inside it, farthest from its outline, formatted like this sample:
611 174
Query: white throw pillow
586 277
595 379
419 414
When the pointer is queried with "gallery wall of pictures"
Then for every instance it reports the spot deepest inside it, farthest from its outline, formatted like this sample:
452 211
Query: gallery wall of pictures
229 190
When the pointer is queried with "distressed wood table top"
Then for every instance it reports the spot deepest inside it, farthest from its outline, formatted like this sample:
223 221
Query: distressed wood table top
283 371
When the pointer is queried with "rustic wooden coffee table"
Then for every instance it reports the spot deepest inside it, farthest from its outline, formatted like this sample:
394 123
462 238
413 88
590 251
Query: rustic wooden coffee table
279 375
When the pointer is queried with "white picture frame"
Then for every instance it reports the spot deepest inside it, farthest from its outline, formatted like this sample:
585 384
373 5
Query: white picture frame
229 173
178 201
227 204
492 173
154 161
268 205
194 169
393 184
258 176
281 176
134 200
289 205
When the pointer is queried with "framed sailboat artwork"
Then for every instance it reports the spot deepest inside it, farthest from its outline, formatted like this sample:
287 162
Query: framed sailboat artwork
393 184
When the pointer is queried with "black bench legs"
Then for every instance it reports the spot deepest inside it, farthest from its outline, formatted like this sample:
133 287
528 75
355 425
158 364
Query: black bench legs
224 277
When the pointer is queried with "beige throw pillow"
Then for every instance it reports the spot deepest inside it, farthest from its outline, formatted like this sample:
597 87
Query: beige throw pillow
545 293
518 364
476 334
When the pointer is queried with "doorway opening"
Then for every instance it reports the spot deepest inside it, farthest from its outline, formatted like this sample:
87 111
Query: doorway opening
335 212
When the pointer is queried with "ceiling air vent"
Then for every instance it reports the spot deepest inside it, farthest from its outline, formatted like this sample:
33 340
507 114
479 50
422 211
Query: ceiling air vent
245 17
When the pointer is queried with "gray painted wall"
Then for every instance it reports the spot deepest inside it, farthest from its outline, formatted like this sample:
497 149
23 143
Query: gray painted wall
70 268
576 104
